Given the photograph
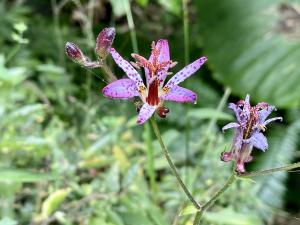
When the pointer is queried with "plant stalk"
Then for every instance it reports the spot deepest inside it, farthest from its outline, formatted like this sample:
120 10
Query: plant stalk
272 170
172 165
210 202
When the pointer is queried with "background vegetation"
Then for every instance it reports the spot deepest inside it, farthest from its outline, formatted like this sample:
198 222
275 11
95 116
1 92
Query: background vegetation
70 156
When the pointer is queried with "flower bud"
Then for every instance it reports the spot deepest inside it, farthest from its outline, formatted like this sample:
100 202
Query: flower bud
74 52
162 111
104 42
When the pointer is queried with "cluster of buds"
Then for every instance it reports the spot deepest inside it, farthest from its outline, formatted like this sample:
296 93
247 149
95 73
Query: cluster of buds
103 45
251 122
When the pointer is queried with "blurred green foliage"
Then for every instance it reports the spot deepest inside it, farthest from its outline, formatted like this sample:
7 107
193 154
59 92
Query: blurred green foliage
70 156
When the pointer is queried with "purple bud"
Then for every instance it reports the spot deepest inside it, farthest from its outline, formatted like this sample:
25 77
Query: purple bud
162 111
226 156
104 42
74 52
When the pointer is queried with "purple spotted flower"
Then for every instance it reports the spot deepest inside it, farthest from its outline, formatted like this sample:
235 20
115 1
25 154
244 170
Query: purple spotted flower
154 92
251 122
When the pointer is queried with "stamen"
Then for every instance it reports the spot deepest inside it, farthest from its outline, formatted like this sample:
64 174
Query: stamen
172 64
135 65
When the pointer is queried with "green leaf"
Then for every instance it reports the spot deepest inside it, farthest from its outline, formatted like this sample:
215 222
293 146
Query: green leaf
130 175
54 201
118 7
142 2
135 218
190 209
249 50
8 221
230 217
27 110
156 215
283 145
173 6
207 113
18 175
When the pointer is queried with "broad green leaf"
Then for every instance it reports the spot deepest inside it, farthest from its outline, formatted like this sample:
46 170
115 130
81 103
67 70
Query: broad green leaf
231 217
250 50
282 146
207 113
54 201
18 175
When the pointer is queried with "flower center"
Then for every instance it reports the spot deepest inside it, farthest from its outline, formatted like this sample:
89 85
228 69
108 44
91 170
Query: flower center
152 98
254 118
153 66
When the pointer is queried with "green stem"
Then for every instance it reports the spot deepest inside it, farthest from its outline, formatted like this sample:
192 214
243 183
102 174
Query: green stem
272 170
58 34
219 108
185 20
13 52
208 204
110 76
150 157
131 26
186 31
172 165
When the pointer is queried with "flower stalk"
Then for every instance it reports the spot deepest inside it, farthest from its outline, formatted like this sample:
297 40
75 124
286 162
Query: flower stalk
272 170
172 165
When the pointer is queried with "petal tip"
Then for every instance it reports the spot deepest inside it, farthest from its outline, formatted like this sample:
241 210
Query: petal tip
139 121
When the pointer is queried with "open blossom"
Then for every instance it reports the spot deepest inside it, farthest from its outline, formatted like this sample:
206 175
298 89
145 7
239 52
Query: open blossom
154 92
251 122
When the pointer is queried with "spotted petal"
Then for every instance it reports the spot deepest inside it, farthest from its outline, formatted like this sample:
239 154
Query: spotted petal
237 111
264 113
271 120
123 88
145 113
259 141
127 68
186 72
230 125
180 94
247 106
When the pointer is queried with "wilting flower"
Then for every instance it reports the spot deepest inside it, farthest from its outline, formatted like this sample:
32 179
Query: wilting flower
154 92
251 122
104 41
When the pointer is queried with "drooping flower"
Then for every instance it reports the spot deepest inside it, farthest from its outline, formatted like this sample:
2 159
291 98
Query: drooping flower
154 92
251 122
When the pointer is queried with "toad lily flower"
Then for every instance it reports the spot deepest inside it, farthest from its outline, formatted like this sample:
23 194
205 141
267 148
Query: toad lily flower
251 122
154 92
